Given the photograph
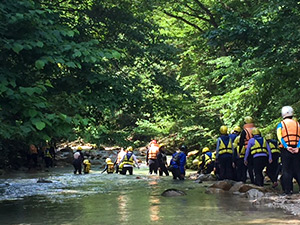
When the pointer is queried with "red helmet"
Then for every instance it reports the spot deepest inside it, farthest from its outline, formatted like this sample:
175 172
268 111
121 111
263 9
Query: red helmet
153 142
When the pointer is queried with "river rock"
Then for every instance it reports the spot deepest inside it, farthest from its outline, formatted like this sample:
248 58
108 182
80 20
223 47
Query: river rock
173 193
246 187
254 194
223 184
42 180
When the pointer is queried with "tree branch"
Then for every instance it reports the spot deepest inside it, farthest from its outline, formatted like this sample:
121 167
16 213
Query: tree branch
184 20
208 12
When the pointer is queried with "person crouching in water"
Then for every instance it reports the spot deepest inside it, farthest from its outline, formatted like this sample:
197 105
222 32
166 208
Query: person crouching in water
128 162
162 161
86 166
207 165
261 152
177 163
109 166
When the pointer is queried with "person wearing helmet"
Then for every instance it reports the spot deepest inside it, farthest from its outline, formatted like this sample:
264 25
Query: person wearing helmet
288 134
273 168
224 155
261 153
206 162
151 156
245 136
78 159
128 162
162 161
118 159
177 163
238 156
109 166
86 166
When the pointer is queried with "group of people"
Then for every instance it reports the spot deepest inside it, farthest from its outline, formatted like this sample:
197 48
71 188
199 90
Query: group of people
246 151
156 159
46 152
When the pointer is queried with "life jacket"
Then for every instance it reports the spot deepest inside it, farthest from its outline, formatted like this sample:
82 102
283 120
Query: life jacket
207 159
153 150
225 145
260 146
248 129
128 160
87 165
110 167
240 151
290 132
47 154
273 146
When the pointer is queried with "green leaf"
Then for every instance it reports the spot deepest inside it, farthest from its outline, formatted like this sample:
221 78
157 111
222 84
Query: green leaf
39 64
40 44
17 48
71 64
39 125
32 112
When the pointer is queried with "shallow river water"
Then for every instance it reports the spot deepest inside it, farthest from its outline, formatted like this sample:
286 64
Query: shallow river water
115 199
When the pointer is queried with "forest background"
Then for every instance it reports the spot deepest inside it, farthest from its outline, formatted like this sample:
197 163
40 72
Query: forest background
124 72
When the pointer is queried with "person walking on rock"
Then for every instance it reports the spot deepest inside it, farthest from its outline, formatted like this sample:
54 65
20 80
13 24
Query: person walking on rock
224 154
261 153
273 168
245 136
288 133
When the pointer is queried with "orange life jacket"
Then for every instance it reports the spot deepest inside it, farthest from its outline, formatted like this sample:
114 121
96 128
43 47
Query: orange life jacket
248 129
290 132
153 151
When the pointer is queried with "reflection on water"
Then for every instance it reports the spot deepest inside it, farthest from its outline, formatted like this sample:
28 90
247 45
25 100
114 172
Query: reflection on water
114 199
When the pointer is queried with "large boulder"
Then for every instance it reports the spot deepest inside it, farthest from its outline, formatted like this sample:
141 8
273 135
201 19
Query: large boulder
223 184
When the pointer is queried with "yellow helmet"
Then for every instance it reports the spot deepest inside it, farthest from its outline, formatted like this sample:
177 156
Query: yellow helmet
129 149
269 136
205 149
108 160
79 148
223 130
248 119
237 129
255 131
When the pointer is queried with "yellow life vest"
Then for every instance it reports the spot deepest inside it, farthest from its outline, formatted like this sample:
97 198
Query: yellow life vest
241 152
127 161
207 160
225 149
273 148
258 148
87 165
110 167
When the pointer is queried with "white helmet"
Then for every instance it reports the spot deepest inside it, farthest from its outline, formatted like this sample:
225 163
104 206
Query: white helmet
287 111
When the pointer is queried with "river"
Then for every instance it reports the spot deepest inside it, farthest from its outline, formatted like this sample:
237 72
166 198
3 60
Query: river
97 198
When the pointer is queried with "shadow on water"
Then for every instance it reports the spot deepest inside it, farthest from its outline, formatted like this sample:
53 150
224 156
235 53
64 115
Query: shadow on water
115 199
